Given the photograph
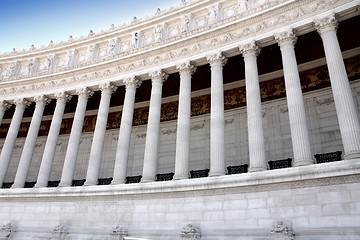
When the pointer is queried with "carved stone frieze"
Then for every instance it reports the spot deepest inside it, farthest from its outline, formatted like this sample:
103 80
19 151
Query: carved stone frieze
7 231
281 230
190 231
118 233
326 101
59 232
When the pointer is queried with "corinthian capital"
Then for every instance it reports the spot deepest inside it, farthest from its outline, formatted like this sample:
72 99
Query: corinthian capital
4 105
286 38
158 75
249 49
132 81
216 59
42 99
85 91
22 102
328 23
186 67
107 87
62 96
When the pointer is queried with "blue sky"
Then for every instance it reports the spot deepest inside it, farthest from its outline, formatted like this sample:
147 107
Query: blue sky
27 22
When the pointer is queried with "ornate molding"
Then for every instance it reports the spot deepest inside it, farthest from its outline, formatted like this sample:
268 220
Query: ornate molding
107 87
22 102
250 49
216 59
84 91
326 24
132 81
287 37
186 67
42 99
236 31
158 76
62 96
4 105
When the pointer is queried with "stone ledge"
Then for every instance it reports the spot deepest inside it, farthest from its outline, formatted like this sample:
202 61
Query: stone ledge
345 168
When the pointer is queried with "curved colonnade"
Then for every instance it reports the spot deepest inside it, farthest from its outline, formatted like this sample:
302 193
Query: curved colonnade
212 32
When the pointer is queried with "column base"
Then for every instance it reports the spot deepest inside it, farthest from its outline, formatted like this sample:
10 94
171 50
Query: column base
117 182
17 186
352 155
302 162
181 177
215 174
90 183
146 180
38 185
257 168
64 184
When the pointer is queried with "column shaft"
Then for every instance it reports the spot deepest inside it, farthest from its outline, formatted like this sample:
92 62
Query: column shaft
343 98
217 124
257 157
29 146
182 156
297 117
10 139
123 145
99 135
51 141
153 129
74 139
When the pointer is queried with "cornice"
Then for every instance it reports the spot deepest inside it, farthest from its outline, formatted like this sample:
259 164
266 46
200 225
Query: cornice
193 46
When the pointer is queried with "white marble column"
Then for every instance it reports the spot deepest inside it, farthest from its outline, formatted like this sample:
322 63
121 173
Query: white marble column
123 145
51 141
217 124
343 98
3 107
182 155
153 128
257 156
29 145
298 123
97 146
74 139
10 139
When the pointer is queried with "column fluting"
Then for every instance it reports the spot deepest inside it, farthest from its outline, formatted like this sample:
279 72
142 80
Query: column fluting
182 155
29 145
75 136
343 97
297 116
257 157
151 154
97 146
217 124
11 136
51 141
123 145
